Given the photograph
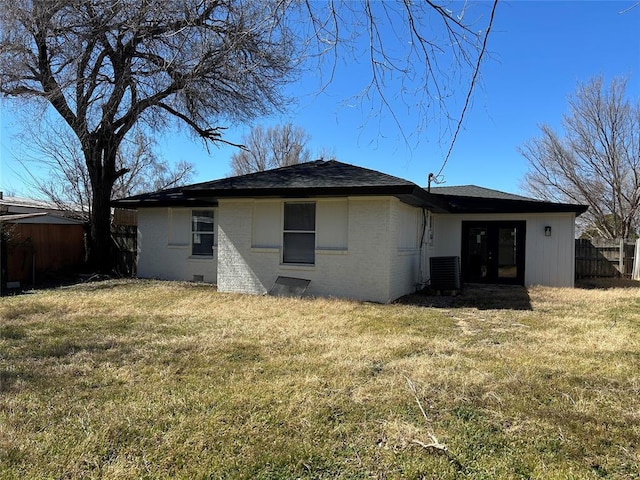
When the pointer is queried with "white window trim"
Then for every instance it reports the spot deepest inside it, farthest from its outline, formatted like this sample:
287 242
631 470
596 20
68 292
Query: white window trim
315 237
195 256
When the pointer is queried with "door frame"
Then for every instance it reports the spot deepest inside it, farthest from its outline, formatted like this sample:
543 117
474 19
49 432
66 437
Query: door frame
493 227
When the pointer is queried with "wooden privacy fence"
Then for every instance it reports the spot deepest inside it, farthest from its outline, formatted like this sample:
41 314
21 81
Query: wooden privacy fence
125 243
124 235
37 252
604 258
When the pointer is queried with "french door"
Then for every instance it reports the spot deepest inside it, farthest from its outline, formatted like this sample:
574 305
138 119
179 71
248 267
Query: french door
493 252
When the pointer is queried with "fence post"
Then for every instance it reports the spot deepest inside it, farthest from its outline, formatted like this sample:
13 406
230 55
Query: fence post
635 273
621 258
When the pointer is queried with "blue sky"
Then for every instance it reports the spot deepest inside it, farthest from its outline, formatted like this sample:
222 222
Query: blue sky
538 52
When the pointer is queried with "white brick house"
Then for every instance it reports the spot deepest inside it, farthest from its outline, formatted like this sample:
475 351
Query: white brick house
350 231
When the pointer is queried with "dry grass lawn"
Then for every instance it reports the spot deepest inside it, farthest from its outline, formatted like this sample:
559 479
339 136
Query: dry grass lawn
137 379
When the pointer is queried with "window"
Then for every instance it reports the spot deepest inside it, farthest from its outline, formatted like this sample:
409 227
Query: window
202 233
299 238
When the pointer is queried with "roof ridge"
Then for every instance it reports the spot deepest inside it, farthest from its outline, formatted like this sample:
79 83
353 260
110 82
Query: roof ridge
244 175
312 163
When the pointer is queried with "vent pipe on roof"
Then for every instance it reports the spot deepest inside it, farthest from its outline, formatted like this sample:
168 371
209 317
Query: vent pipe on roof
1 195
435 179
429 178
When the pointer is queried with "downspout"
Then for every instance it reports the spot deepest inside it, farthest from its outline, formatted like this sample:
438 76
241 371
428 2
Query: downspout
422 280
426 222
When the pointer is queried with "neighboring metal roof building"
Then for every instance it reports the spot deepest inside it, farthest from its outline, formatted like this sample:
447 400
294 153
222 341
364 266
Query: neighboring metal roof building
16 217
39 217
29 206
11 201
332 178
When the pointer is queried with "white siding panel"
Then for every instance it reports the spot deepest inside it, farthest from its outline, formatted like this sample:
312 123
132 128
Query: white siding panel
548 260
447 235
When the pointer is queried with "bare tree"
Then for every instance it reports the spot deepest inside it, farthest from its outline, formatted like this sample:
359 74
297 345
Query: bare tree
54 148
595 161
271 147
105 65
326 154
146 172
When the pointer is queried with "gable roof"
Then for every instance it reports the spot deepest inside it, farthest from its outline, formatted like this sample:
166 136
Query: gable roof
332 178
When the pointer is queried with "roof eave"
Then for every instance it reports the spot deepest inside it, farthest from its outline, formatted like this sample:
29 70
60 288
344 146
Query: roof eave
410 194
133 204
490 205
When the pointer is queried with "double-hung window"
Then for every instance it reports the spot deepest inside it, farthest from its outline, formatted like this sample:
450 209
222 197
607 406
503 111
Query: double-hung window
202 233
299 236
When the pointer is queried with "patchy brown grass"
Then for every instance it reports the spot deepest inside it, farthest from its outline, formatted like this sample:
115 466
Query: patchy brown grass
168 380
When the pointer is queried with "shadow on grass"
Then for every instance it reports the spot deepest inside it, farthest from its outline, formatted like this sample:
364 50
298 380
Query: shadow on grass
11 378
606 283
482 297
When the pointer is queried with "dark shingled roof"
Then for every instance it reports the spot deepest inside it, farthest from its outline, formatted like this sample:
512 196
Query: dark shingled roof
172 197
311 179
331 178
310 175
476 191
474 199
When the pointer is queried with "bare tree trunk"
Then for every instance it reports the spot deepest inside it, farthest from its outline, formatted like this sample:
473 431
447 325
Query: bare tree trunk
100 156
99 245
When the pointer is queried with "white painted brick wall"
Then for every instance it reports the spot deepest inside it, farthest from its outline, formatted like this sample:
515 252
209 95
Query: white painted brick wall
238 271
404 269
158 259
372 267
369 269
361 272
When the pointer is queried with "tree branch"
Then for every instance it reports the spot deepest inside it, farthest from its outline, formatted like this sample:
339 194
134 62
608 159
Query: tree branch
213 134
470 91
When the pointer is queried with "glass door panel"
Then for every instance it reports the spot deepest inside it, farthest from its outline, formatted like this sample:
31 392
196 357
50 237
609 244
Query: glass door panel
493 252
507 252
478 253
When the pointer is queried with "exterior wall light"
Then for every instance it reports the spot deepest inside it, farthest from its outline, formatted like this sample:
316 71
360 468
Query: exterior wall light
547 231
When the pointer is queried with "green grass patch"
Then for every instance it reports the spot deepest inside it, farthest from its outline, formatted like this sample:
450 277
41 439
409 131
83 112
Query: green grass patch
140 379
